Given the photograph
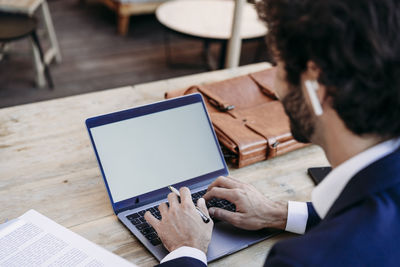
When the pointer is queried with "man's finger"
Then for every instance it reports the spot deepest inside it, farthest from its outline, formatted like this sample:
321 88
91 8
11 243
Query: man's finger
224 215
163 208
153 221
225 182
222 193
201 204
186 196
173 200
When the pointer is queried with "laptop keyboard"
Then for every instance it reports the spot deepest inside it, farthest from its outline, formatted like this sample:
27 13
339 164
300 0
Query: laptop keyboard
138 220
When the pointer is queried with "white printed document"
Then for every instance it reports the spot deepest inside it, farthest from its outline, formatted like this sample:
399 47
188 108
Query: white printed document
35 240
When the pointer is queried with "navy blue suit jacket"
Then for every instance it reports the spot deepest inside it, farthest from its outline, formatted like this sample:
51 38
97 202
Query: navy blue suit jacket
362 228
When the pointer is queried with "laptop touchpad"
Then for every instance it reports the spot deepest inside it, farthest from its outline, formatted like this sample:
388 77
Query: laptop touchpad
227 239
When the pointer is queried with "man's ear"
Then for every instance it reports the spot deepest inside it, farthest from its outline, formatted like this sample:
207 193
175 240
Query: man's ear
313 70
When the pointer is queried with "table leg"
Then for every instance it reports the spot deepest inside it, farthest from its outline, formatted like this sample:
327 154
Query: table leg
123 19
167 49
261 48
222 55
55 48
206 55
123 24
38 50
3 50
39 67
206 47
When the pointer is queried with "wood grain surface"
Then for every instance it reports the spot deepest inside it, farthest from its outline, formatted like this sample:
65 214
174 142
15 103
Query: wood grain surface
47 163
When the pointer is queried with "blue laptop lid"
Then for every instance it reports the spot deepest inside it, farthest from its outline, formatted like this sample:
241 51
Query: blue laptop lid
109 125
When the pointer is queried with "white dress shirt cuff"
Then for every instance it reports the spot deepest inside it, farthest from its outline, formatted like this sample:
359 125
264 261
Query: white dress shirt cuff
186 252
297 217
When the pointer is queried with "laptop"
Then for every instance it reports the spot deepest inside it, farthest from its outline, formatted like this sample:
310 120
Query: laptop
143 150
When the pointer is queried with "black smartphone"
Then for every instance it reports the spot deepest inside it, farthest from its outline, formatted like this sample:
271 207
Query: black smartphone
317 174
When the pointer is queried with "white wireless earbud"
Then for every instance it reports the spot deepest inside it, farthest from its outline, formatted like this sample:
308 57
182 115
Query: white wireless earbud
312 87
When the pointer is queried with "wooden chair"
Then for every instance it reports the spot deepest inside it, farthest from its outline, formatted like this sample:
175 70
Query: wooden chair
126 8
16 26
29 7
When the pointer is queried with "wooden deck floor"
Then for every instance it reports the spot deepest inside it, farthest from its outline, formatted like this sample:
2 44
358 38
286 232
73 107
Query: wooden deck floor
96 58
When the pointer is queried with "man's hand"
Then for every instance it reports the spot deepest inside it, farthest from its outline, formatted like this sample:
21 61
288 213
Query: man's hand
181 224
253 210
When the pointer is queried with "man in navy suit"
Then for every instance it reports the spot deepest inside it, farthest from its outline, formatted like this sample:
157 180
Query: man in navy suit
339 80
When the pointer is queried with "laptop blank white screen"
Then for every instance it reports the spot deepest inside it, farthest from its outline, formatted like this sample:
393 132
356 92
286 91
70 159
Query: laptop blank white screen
149 152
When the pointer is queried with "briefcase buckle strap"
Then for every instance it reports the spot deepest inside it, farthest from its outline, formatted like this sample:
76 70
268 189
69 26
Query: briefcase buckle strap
227 108
280 148
219 106
275 145
215 100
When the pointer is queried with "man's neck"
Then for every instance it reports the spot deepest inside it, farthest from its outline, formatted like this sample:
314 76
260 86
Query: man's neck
340 144
346 148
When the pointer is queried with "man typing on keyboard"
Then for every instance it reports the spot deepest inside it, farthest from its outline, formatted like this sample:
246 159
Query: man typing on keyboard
338 78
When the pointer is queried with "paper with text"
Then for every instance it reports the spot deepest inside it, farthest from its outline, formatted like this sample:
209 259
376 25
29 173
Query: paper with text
35 240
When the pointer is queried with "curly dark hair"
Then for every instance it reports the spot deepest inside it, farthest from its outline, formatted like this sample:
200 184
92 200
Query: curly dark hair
355 43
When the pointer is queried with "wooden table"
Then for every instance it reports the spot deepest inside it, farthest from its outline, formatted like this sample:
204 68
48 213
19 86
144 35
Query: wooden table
210 21
209 18
47 163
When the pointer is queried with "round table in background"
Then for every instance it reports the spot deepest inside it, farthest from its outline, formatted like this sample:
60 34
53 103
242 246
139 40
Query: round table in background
210 20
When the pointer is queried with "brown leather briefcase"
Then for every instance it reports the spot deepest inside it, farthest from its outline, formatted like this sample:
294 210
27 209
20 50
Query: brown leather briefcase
249 121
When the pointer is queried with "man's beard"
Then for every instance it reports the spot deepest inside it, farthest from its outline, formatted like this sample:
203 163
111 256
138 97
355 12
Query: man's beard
300 117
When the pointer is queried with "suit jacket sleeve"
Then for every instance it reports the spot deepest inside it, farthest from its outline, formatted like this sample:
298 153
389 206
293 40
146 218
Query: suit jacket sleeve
183 261
313 218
